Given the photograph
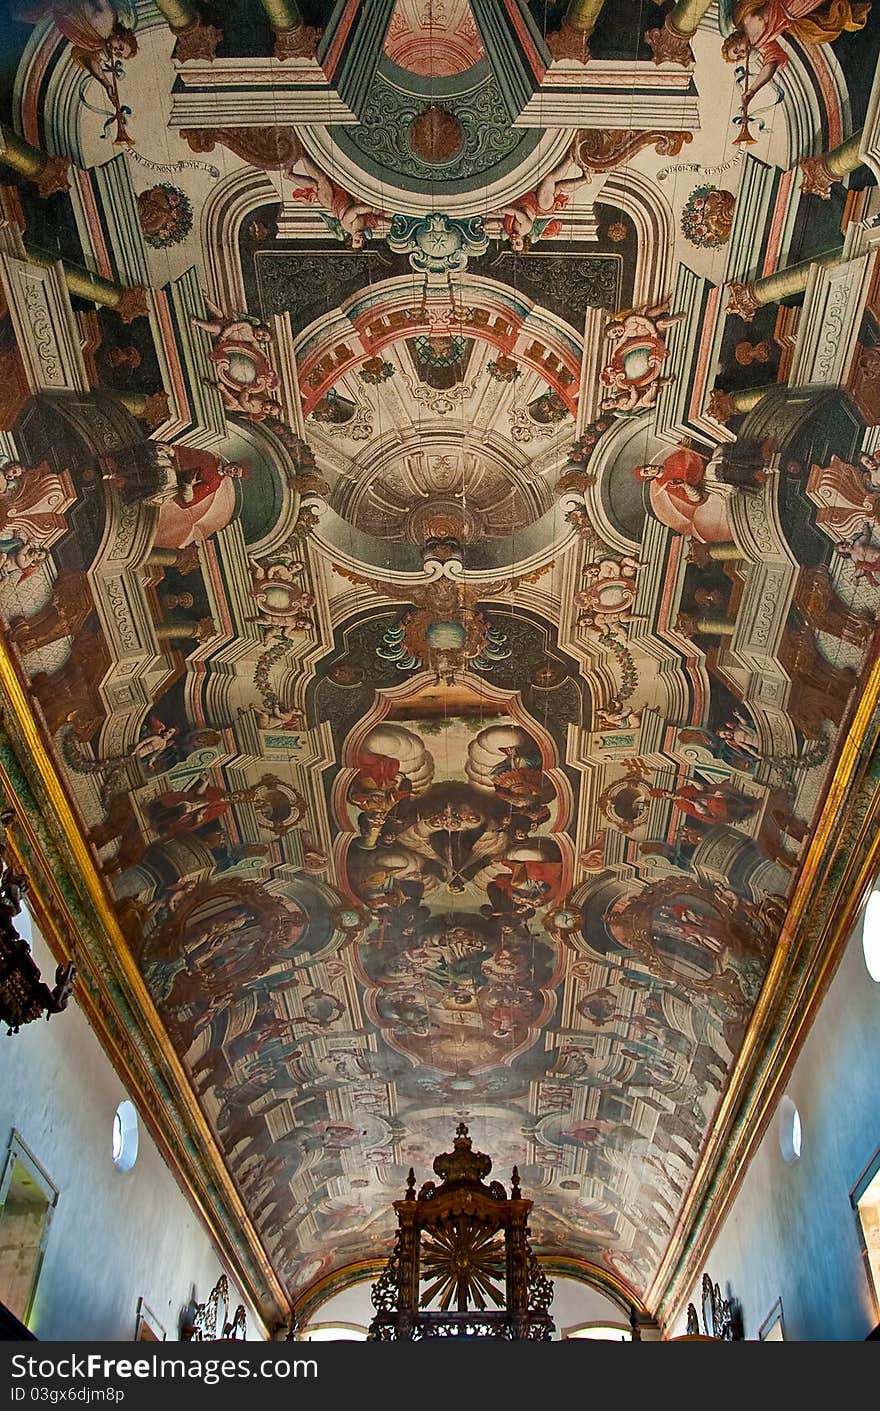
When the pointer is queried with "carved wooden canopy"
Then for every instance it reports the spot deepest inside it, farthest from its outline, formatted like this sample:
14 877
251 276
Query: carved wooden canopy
467 1243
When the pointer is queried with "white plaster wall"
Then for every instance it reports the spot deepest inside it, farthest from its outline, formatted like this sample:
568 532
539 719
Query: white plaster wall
791 1232
352 1305
114 1237
575 1303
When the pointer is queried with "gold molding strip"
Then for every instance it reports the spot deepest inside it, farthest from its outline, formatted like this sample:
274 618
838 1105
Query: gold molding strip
337 1281
571 1266
143 1009
737 1128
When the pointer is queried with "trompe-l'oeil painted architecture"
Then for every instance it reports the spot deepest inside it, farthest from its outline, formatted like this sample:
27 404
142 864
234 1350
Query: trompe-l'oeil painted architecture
439 584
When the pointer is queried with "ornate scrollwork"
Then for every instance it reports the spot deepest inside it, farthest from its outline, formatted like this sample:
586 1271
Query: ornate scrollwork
203 1327
540 1288
385 1291
603 149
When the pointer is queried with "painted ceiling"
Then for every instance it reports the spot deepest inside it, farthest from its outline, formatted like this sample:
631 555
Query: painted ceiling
442 554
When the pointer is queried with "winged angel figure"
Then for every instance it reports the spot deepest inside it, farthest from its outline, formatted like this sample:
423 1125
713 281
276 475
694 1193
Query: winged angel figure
441 630
758 25
101 35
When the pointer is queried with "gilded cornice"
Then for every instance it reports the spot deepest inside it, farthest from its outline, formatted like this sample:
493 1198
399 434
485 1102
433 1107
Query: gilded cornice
840 865
76 917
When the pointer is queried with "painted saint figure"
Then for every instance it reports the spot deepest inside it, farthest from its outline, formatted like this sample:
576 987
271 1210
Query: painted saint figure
204 499
185 810
678 496
718 804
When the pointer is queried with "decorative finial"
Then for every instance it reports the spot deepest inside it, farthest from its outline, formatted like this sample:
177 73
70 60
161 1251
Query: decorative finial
461 1130
410 1185
515 1192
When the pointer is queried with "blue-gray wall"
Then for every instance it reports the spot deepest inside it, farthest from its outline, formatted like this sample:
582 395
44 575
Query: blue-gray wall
791 1233
115 1237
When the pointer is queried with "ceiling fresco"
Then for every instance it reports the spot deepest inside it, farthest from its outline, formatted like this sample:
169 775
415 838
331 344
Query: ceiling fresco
441 543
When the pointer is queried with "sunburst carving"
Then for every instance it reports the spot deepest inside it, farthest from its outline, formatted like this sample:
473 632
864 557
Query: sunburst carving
464 1262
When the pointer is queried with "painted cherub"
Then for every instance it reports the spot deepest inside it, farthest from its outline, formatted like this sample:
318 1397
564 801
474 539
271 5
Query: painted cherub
634 371
155 743
608 594
349 219
19 558
864 555
246 379
531 216
741 735
282 600
276 716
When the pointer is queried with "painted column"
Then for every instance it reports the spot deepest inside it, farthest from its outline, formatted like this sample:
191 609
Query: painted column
183 560
704 554
724 405
745 299
202 629
689 625
671 44
194 39
128 302
820 173
48 174
293 39
571 41
283 14
151 407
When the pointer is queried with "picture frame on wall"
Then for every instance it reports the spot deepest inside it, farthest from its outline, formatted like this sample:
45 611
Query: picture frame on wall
773 1328
148 1328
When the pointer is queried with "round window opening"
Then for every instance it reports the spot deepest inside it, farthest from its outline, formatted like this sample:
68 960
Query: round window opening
871 936
124 1144
789 1131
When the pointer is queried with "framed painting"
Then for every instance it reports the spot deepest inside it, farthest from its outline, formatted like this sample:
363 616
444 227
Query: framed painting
773 1328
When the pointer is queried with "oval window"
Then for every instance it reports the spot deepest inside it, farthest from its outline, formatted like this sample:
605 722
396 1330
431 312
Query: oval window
789 1131
871 936
124 1143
